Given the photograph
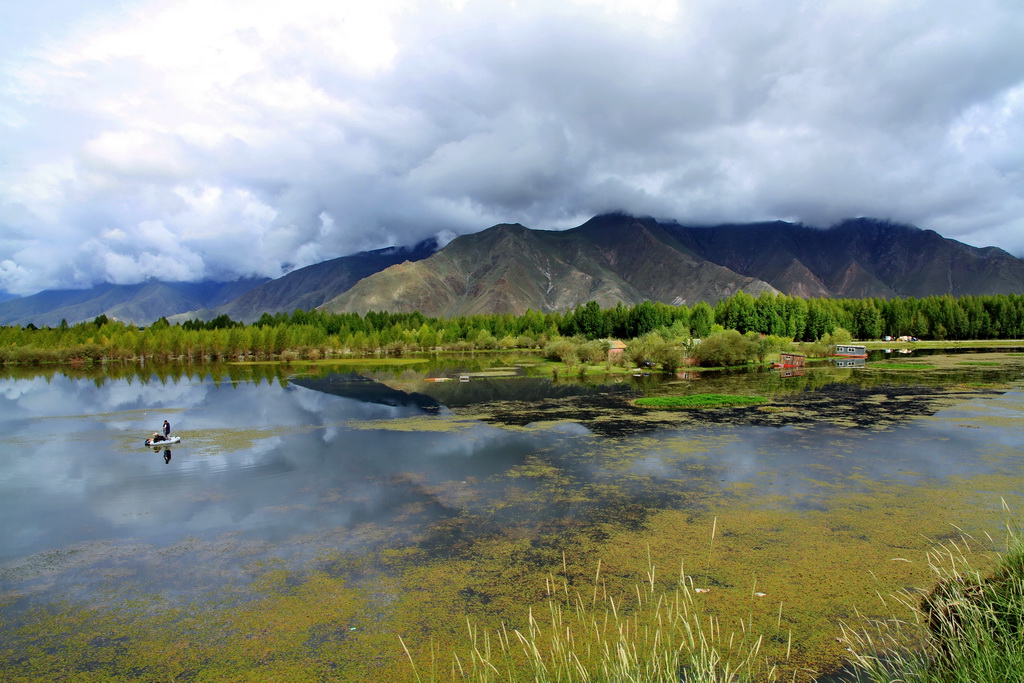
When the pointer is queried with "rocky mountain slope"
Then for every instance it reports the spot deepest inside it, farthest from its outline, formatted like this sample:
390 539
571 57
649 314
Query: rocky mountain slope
856 258
608 259
309 287
509 269
616 257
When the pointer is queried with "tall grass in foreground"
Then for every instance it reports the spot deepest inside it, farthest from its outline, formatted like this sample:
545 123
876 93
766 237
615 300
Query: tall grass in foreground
969 627
655 636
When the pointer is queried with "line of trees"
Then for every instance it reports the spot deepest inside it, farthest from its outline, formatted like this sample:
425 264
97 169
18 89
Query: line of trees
999 316
316 334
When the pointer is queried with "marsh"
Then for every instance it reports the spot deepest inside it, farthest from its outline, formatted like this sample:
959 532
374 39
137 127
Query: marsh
308 518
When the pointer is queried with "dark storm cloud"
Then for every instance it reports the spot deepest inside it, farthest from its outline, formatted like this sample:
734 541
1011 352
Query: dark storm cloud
187 140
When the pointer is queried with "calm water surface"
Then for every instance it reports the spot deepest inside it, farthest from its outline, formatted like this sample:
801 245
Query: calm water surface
281 470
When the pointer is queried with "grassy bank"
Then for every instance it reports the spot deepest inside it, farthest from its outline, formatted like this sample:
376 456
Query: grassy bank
945 344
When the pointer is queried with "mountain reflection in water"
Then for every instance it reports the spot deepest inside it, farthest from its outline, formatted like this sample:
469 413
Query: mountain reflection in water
359 388
434 396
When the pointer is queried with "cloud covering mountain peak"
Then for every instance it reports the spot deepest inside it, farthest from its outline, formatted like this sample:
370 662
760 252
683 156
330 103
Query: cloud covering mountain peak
215 140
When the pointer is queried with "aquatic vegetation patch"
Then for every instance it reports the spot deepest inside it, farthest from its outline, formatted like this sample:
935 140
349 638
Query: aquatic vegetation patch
911 365
536 547
300 365
774 409
770 568
420 423
698 401
494 372
994 411
756 569
951 361
558 369
537 468
872 406
116 415
75 557
218 441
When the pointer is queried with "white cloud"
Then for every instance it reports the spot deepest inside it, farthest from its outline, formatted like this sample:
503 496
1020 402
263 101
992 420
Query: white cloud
137 155
232 126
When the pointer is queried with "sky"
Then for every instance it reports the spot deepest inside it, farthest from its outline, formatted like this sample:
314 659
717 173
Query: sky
215 139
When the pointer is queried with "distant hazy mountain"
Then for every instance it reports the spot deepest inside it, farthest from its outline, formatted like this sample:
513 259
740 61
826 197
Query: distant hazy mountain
608 259
139 304
243 300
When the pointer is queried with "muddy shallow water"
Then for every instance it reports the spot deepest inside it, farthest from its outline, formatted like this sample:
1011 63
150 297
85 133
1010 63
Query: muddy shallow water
304 522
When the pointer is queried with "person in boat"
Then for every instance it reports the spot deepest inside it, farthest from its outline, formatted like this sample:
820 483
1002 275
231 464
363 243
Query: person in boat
167 429
157 436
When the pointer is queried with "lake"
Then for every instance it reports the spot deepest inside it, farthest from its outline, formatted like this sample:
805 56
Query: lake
310 516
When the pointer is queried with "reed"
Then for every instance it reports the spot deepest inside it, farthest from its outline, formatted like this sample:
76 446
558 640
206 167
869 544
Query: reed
653 635
968 627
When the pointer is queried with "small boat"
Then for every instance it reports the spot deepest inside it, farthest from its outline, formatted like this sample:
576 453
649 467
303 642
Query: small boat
163 442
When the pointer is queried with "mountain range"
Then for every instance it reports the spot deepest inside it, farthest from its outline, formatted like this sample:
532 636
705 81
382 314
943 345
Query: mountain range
139 303
611 258
616 257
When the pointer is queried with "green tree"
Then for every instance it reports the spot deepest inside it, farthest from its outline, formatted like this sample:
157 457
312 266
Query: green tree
768 314
867 320
701 319
794 314
642 319
820 320
281 341
737 312
590 321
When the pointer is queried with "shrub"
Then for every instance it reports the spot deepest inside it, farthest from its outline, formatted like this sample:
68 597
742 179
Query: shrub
594 351
724 349
669 356
562 350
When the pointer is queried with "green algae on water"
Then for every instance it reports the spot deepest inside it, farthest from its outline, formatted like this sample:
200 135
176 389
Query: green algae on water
698 401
